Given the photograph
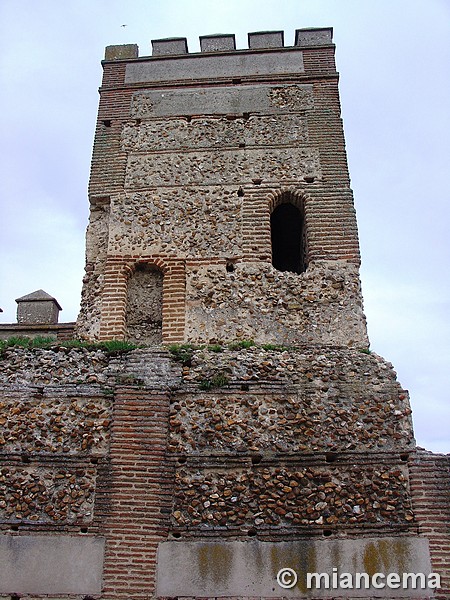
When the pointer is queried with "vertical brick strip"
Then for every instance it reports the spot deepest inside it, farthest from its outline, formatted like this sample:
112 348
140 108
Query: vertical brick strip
430 488
255 223
139 498
114 301
108 159
174 300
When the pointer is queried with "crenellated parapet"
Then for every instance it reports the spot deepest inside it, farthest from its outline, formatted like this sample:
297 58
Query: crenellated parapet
258 40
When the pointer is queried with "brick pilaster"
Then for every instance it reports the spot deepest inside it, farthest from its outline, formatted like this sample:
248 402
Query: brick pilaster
139 493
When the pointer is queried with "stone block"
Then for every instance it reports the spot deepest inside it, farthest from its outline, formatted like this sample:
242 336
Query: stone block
266 39
232 568
218 42
314 36
221 101
143 171
121 52
51 564
37 308
169 46
217 66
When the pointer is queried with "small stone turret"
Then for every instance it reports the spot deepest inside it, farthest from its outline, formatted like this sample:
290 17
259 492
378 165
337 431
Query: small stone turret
37 308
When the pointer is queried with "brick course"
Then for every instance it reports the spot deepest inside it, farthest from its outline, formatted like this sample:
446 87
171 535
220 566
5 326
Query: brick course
161 466
138 493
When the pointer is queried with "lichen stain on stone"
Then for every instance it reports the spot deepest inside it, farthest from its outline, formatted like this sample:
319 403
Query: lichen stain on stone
300 557
385 557
403 554
214 562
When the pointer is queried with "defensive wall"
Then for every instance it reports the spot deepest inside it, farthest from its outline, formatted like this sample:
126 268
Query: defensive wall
105 459
199 465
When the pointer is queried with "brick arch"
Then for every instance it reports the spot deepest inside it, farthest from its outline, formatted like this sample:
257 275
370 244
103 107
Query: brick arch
114 293
157 262
173 295
300 201
291 196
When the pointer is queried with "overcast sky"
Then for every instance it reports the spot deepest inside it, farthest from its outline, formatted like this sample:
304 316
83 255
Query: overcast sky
394 61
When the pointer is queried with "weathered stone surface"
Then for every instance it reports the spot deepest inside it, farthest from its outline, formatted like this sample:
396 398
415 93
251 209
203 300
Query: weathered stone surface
298 442
321 306
37 308
248 570
196 172
222 100
202 219
315 418
216 66
51 366
169 46
301 437
43 564
87 374
218 42
210 133
121 52
144 306
315 36
266 39
32 421
281 497
224 167
93 280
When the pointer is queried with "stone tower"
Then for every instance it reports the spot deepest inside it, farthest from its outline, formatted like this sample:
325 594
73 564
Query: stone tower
221 215
221 206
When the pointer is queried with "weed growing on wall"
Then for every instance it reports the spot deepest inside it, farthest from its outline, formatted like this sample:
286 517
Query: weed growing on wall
182 353
216 381
110 346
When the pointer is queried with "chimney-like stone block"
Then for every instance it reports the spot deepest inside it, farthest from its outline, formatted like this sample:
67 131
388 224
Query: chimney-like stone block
169 46
266 39
315 36
218 42
123 52
37 308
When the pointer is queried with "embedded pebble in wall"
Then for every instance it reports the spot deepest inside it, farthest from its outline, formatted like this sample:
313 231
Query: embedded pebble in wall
271 498
321 392
321 306
40 494
222 237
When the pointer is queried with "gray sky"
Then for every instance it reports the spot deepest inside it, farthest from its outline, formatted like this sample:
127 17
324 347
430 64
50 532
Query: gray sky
394 60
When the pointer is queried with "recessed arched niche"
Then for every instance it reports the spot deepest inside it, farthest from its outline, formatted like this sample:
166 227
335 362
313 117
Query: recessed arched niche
144 305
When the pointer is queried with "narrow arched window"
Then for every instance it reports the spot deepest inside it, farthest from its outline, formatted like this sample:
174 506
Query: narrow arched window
286 224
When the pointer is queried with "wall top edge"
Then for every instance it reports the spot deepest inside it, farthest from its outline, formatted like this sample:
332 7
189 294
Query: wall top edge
223 43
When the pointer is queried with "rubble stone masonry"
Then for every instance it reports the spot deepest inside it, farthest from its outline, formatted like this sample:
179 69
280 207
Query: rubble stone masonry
251 429
142 448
